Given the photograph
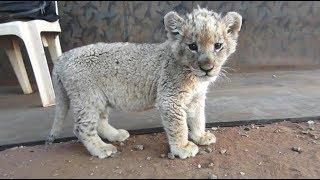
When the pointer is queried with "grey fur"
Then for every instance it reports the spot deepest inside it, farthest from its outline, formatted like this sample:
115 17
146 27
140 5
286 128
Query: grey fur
97 78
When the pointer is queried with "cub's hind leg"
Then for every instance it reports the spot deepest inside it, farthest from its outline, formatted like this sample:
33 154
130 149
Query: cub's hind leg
106 131
86 114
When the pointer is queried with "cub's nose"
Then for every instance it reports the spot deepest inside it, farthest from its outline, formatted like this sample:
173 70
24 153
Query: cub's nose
206 65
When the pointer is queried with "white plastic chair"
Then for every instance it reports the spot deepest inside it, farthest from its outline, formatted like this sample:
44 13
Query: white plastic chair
30 33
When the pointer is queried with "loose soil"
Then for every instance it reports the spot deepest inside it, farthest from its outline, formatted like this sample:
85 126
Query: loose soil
259 151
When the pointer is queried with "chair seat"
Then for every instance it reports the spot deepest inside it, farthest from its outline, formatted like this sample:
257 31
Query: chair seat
15 27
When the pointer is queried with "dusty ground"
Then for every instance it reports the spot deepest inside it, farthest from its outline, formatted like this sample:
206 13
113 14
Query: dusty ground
251 152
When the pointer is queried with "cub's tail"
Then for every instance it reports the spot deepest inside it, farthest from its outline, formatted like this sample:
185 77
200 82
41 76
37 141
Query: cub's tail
61 107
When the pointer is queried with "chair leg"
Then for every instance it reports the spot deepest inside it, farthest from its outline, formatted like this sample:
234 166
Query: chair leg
54 46
33 43
15 57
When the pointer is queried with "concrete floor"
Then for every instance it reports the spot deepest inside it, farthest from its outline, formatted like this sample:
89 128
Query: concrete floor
246 97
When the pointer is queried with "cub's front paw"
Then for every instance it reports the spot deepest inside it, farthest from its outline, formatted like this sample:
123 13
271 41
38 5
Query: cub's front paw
120 136
102 151
206 138
189 150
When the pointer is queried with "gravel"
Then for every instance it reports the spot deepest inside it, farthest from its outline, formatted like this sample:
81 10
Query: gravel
310 122
214 128
170 156
208 149
247 129
201 152
311 125
223 151
212 176
162 155
296 149
138 147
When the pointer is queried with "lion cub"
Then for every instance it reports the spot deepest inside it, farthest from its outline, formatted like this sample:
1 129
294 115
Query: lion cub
172 76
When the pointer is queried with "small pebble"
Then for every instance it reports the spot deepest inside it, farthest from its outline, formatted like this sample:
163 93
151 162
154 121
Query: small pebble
148 158
314 136
211 164
170 156
121 144
214 128
242 173
162 155
138 147
201 152
311 128
296 149
244 134
297 136
310 122
274 76
259 163
199 166
212 176
223 151
208 149
277 130
91 174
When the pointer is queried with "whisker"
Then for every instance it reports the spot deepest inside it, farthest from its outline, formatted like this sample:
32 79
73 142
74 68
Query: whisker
222 75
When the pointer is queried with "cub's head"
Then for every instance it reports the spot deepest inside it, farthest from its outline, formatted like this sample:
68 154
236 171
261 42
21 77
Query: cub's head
203 40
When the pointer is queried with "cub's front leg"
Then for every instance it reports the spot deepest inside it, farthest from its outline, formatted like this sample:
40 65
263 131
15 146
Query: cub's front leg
174 119
197 122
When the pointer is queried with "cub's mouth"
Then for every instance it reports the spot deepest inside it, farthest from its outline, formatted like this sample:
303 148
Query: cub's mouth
199 72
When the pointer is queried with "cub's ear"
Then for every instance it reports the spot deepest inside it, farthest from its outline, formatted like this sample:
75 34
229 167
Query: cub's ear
233 22
173 23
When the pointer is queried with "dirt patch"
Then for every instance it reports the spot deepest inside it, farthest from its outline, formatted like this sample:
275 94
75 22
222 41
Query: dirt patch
279 150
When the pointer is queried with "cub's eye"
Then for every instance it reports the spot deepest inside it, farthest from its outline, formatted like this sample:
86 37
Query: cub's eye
217 46
193 47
